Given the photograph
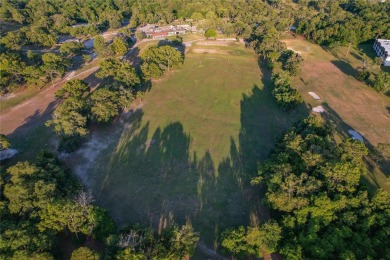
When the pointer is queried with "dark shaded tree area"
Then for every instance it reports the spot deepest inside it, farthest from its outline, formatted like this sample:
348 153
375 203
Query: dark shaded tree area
17 69
284 64
157 59
325 22
42 201
313 189
344 22
78 107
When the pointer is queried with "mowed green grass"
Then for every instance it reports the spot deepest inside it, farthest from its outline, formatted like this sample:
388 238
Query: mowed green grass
188 154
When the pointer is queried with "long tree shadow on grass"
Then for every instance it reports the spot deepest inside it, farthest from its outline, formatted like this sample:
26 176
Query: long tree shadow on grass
154 179
32 136
157 181
345 67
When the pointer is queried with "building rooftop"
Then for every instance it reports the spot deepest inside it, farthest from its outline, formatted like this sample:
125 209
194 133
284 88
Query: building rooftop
385 44
150 28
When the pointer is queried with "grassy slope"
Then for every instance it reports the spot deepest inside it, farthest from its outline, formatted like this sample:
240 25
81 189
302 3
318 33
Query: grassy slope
350 103
190 152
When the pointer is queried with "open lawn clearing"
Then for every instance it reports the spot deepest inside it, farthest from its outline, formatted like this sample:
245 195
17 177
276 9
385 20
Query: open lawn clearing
347 101
190 150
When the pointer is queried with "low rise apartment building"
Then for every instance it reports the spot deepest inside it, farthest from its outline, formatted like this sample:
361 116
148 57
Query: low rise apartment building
382 49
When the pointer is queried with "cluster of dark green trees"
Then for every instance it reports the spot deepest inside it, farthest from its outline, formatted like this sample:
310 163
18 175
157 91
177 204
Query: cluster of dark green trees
286 96
118 47
157 59
283 63
30 68
313 188
4 142
342 22
80 107
18 68
44 21
257 241
42 204
326 22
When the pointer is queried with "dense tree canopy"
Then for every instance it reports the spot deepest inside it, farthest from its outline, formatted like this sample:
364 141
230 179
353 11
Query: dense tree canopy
42 201
382 82
79 107
4 142
84 253
157 59
314 185
118 70
312 182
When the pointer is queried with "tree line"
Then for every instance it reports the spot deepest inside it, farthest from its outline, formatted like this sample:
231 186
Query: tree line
320 208
283 63
79 107
325 22
42 202
32 68
344 22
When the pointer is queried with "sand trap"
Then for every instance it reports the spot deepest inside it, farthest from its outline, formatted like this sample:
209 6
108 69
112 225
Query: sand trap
318 109
8 153
314 95
355 135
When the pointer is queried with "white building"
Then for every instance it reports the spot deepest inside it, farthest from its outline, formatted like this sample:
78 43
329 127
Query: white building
382 49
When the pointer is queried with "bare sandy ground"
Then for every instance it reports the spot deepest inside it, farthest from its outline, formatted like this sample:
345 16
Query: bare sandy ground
37 105
212 51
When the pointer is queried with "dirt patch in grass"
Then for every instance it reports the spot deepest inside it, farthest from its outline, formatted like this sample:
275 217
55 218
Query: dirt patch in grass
211 51
213 43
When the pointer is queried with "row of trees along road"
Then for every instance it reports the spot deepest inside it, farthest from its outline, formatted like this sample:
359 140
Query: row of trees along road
17 69
79 107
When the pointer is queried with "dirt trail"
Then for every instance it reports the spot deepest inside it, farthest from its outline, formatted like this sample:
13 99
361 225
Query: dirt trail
13 118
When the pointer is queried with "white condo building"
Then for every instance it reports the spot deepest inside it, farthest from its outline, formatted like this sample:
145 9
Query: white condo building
382 49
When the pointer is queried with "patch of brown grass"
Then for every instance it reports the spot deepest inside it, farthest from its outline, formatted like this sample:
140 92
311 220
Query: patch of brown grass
353 103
